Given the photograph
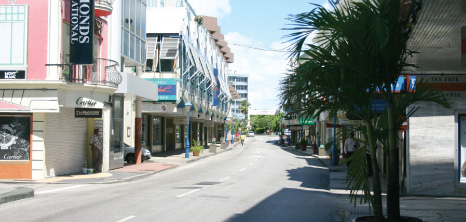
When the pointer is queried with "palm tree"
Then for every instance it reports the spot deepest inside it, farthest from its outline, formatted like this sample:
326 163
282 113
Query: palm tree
360 53
244 107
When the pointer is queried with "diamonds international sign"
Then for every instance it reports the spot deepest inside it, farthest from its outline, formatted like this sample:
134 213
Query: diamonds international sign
81 31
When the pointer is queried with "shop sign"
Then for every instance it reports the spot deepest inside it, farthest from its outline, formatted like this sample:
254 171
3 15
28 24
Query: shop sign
81 31
87 113
167 88
15 138
12 74
85 102
303 121
178 121
154 108
210 124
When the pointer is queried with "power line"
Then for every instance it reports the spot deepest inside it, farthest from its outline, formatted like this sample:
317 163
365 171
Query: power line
249 46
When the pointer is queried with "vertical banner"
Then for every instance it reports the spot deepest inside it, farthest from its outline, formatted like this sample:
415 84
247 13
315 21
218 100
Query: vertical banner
216 89
81 31
462 147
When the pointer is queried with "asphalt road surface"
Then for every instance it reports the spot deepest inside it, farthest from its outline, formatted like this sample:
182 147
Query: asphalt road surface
259 181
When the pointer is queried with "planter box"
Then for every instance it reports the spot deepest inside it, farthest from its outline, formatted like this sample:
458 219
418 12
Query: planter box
213 148
223 145
322 151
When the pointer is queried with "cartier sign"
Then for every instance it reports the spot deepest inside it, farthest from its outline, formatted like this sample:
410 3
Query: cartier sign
81 31
81 101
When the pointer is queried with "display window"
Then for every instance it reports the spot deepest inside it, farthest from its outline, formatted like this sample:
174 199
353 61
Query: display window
462 147
15 138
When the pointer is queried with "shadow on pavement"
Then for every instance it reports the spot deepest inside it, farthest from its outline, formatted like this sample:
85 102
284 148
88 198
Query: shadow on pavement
291 205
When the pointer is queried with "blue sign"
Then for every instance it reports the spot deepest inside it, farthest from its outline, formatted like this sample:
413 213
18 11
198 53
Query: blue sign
377 105
216 89
167 88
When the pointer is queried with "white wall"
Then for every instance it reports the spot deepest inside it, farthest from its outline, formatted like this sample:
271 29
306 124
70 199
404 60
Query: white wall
432 149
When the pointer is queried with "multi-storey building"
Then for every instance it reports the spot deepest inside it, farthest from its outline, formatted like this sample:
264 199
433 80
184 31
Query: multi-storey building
188 58
240 83
59 80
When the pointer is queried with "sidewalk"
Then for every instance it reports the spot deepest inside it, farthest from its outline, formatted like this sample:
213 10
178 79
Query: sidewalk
11 190
427 208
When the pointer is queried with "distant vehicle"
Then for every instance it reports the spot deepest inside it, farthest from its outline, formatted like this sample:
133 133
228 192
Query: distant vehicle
250 134
129 154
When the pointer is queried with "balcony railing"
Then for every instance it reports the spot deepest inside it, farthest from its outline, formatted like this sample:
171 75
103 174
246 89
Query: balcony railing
103 7
102 72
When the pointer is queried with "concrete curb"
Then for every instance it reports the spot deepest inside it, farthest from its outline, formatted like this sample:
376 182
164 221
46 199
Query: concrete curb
15 193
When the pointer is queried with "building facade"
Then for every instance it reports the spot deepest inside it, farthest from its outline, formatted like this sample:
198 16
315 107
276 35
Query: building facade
54 94
240 82
188 58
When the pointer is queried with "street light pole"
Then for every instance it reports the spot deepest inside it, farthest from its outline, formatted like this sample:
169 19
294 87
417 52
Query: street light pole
187 107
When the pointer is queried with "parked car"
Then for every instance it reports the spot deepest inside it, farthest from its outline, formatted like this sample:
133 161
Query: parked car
250 134
129 154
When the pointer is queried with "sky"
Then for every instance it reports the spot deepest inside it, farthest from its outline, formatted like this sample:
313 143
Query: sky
251 24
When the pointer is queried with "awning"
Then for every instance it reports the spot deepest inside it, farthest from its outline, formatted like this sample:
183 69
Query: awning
29 100
169 47
134 85
11 107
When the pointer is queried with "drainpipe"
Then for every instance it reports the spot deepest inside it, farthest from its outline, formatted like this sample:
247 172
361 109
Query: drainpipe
138 124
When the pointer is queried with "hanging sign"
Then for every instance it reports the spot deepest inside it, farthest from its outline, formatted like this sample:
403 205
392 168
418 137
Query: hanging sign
81 31
87 113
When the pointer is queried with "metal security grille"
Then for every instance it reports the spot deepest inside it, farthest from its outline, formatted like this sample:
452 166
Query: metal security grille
65 143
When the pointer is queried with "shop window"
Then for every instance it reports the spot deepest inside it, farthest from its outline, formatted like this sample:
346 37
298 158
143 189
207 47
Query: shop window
15 138
13 40
117 124
157 131
462 147
178 133
145 131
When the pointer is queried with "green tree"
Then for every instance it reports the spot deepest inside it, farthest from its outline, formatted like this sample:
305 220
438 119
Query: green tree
266 122
360 53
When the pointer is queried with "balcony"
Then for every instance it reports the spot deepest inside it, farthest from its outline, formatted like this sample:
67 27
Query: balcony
103 8
102 72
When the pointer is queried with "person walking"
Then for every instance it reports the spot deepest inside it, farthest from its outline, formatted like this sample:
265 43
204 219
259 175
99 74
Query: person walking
96 143
242 139
350 147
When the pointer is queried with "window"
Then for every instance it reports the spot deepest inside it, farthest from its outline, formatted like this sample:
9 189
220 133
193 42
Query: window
13 40
178 133
145 130
149 64
133 30
462 147
166 65
117 124
157 131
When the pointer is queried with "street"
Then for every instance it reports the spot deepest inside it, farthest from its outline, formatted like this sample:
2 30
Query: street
259 181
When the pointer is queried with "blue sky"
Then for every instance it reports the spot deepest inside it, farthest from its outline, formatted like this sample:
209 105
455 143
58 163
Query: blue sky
256 24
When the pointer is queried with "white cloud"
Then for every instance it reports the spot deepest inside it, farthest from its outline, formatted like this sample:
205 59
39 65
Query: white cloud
265 68
214 8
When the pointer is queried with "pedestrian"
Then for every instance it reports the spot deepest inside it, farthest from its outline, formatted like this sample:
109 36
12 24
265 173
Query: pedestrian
242 139
96 143
369 160
350 147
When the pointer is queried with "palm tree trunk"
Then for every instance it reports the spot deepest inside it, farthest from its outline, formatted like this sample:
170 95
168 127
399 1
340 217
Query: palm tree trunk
393 186
377 186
